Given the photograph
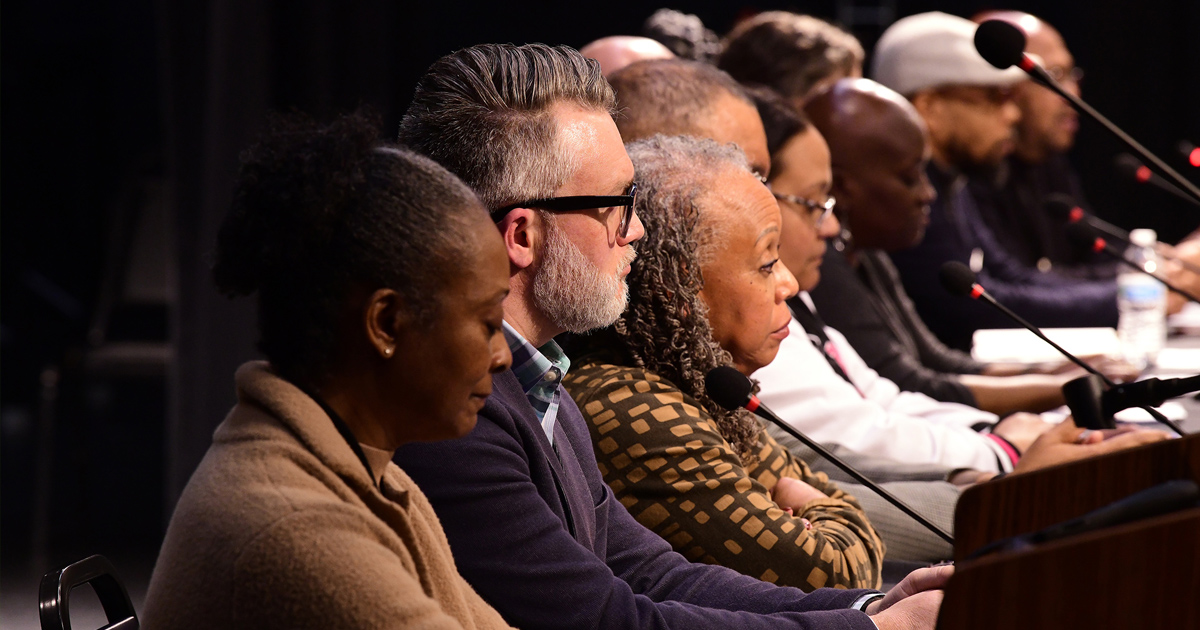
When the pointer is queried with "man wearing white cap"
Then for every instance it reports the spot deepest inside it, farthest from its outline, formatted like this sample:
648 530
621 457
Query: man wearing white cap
968 107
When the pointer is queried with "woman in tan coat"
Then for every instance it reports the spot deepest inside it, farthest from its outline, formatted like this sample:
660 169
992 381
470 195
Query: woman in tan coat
379 281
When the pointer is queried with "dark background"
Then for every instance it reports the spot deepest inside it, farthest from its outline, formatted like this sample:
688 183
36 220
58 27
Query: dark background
122 125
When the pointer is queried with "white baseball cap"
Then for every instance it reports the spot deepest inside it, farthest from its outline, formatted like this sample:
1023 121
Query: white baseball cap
934 49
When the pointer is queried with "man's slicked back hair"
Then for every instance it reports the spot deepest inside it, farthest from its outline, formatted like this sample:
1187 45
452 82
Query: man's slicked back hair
484 113
668 96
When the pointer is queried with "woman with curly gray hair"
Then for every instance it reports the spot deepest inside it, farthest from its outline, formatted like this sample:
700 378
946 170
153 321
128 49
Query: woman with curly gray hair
707 289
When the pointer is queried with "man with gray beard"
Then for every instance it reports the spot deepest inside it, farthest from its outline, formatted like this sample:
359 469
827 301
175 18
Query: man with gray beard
571 290
531 523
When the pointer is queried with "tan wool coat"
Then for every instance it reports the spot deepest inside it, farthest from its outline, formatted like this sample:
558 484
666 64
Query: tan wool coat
282 526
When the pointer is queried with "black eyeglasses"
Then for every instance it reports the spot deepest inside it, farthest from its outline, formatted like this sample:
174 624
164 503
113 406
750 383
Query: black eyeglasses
819 209
581 202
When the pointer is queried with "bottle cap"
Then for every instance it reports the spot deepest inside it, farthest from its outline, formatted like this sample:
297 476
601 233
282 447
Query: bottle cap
1143 237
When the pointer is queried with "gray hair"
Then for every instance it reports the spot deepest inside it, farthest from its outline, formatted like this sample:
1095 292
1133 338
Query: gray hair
484 113
674 173
665 327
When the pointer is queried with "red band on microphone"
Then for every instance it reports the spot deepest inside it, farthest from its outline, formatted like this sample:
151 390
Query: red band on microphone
752 404
1026 63
976 291
1143 174
1075 215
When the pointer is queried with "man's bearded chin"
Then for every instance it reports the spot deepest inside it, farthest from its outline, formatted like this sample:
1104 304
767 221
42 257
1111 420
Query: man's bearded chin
574 294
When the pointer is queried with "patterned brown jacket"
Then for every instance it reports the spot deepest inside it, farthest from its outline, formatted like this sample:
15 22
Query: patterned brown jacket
663 457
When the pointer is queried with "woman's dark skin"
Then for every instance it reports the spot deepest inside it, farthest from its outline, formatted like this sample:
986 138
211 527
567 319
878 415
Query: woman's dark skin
398 381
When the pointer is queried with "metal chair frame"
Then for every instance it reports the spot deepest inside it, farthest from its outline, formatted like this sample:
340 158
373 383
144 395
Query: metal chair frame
55 591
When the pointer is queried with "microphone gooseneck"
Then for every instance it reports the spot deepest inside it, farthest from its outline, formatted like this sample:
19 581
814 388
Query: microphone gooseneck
1003 45
1064 208
957 271
731 389
1084 238
1132 168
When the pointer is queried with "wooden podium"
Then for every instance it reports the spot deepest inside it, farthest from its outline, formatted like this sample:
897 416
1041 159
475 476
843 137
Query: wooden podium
1144 574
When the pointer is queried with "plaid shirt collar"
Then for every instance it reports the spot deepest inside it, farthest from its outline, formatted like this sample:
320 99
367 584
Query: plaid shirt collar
539 371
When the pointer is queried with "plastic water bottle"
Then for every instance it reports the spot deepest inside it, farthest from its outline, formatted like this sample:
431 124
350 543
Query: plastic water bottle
1141 303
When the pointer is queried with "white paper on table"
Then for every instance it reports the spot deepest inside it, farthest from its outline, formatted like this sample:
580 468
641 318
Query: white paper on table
1178 360
1171 409
1017 345
1187 317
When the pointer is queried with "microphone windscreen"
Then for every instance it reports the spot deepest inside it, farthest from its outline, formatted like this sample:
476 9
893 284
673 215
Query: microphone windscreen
1000 43
1081 236
1060 206
728 387
957 278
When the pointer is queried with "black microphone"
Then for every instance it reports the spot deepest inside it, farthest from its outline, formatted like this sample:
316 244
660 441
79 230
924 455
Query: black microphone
1150 392
732 390
1084 393
1064 207
1133 169
1084 238
958 279
1003 45
1190 152
1000 43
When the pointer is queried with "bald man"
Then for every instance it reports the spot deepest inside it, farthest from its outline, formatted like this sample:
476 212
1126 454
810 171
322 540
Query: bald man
679 97
880 149
1012 200
617 51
